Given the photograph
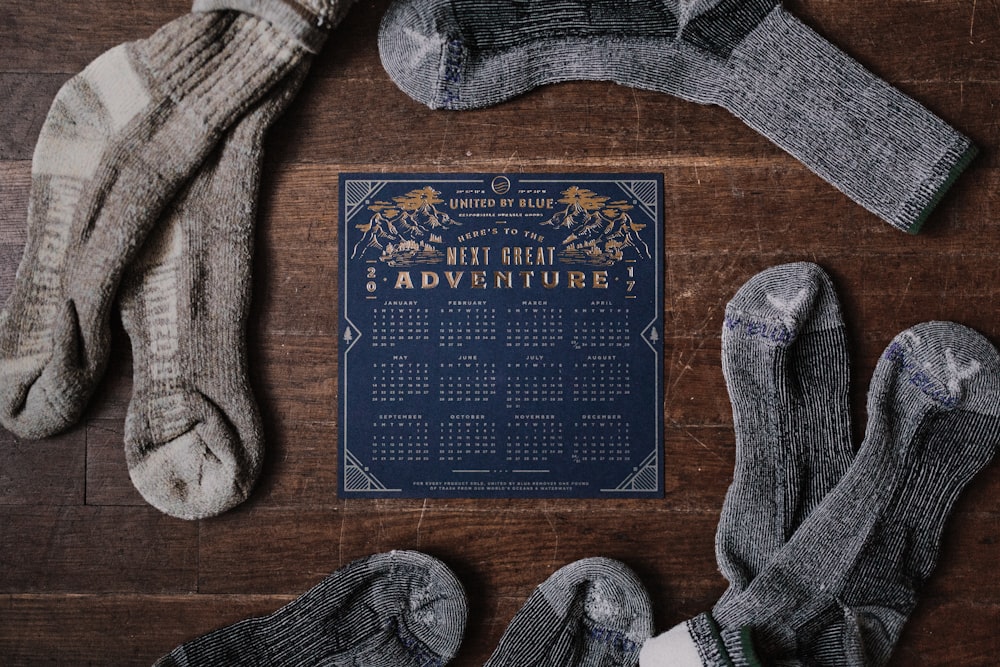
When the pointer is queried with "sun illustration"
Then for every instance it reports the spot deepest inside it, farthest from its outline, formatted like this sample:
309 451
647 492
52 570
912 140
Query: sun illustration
417 199
583 198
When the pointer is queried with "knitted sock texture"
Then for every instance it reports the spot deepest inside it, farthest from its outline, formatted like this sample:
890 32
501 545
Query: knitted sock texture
881 148
590 613
787 370
842 588
306 21
398 609
193 440
119 142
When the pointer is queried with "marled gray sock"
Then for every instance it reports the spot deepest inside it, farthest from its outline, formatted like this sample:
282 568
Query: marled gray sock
120 140
398 609
591 613
787 370
878 146
842 588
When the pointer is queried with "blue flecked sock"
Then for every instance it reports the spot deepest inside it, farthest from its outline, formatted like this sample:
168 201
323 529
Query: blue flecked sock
787 370
841 590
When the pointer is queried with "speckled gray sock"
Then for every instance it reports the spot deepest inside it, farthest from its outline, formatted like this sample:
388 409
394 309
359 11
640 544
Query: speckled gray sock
878 146
787 370
591 613
398 609
841 590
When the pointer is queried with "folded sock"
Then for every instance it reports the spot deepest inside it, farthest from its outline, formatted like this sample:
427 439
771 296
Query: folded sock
398 609
591 613
880 147
842 588
120 140
787 370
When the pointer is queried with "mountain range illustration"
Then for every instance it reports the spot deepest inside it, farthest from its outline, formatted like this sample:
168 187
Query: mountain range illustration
598 231
408 230
403 232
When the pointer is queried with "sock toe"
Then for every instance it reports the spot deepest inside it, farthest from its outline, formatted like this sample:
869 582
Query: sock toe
615 598
41 396
28 408
185 479
594 611
437 608
950 364
202 472
784 301
414 48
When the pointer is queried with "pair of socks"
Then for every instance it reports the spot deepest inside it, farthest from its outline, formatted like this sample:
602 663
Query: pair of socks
878 146
406 609
826 549
144 186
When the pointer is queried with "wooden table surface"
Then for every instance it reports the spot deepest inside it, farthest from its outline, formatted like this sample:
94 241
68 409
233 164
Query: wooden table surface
89 574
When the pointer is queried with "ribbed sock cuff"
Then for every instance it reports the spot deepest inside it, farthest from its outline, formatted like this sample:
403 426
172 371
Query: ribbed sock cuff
216 65
722 648
307 22
878 146
708 639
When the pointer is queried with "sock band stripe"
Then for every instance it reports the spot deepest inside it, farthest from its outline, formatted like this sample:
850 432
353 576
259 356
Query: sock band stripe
721 29
118 86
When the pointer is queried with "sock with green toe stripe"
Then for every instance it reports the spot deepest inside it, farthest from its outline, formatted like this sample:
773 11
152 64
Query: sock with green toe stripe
841 590
872 142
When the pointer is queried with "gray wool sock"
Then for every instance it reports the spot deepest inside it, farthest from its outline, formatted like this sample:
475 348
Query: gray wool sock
787 370
193 439
591 613
120 140
397 609
842 588
878 146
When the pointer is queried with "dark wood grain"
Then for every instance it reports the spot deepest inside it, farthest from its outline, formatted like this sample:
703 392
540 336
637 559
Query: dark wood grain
89 574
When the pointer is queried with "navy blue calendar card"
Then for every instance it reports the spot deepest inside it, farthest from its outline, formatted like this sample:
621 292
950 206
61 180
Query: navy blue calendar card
501 336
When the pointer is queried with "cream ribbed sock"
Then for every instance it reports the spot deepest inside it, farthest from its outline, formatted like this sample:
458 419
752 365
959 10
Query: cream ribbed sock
120 140
193 438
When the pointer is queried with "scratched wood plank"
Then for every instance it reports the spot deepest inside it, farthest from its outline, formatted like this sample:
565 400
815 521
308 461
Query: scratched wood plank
77 549
43 472
65 41
114 629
